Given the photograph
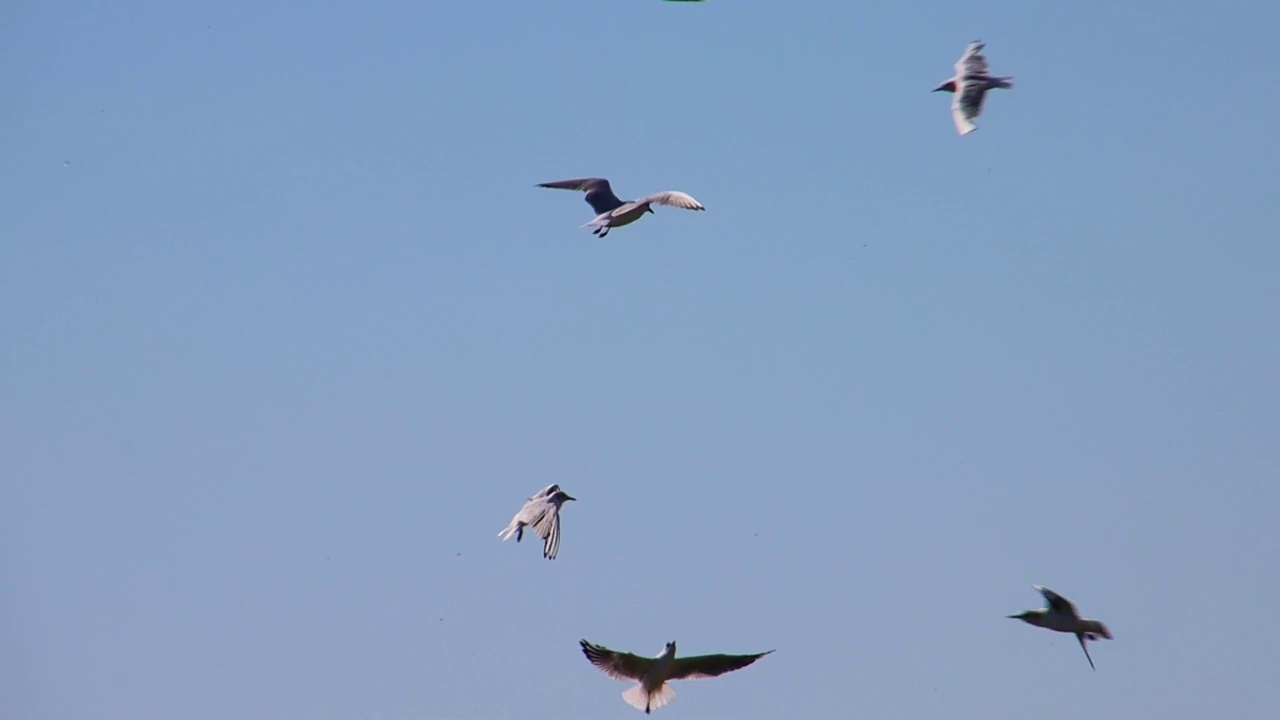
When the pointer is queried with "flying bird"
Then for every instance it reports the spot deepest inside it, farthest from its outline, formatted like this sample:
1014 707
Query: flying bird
612 212
651 691
1061 615
969 87
542 513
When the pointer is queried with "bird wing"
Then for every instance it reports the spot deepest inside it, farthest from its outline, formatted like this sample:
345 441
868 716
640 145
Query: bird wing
963 116
1056 602
617 665
534 511
966 103
699 667
545 492
599 193
548 528
673 198
972 61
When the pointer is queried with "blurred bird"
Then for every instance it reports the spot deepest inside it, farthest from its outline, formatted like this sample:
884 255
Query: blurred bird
969 87
652 674
1061 615
542 513
613 212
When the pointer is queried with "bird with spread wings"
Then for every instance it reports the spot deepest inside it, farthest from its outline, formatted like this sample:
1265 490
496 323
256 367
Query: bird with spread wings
652 674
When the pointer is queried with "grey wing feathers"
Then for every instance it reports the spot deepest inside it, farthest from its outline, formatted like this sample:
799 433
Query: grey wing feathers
545 492
1056 602
599 193
582 184
708 666
971 80
969 96
672 198
548 528
972 61
617 665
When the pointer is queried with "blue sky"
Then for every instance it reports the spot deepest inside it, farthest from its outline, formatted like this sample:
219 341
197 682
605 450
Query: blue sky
287 334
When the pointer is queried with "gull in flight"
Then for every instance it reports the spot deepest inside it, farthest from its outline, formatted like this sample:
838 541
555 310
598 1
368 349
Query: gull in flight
969 87
1061 615
611 212
652 674
542 513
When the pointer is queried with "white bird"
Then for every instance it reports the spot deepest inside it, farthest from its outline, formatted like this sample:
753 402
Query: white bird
612 212
542 513
1061 615
652 674
969 87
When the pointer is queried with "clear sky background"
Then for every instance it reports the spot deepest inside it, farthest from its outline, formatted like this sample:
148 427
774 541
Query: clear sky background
287 334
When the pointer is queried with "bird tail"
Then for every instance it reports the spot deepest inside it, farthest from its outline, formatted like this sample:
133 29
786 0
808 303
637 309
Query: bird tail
598 221
637 698
1002 82
510 530
1096 630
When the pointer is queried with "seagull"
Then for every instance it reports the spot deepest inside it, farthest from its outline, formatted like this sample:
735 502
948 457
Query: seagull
612 212
652 674
969 87
1061 615
542 513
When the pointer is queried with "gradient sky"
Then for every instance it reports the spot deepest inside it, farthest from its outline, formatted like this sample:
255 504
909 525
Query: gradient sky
287 334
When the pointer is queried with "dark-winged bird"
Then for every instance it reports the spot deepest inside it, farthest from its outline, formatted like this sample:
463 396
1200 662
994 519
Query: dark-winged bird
613 212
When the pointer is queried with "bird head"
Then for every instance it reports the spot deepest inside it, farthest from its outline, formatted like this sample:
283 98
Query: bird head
948 86
670 649
560 496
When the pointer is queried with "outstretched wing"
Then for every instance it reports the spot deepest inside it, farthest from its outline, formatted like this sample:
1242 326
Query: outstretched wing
962 114
599 194
972 61
699 667
617 665
673 198
1056 602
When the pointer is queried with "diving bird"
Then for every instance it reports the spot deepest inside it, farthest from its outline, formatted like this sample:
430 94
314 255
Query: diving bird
542 513
611 212
969 87
652 674
1061 615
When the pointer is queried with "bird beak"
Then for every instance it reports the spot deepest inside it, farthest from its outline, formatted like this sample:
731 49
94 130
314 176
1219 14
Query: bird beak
1014 617
570 497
